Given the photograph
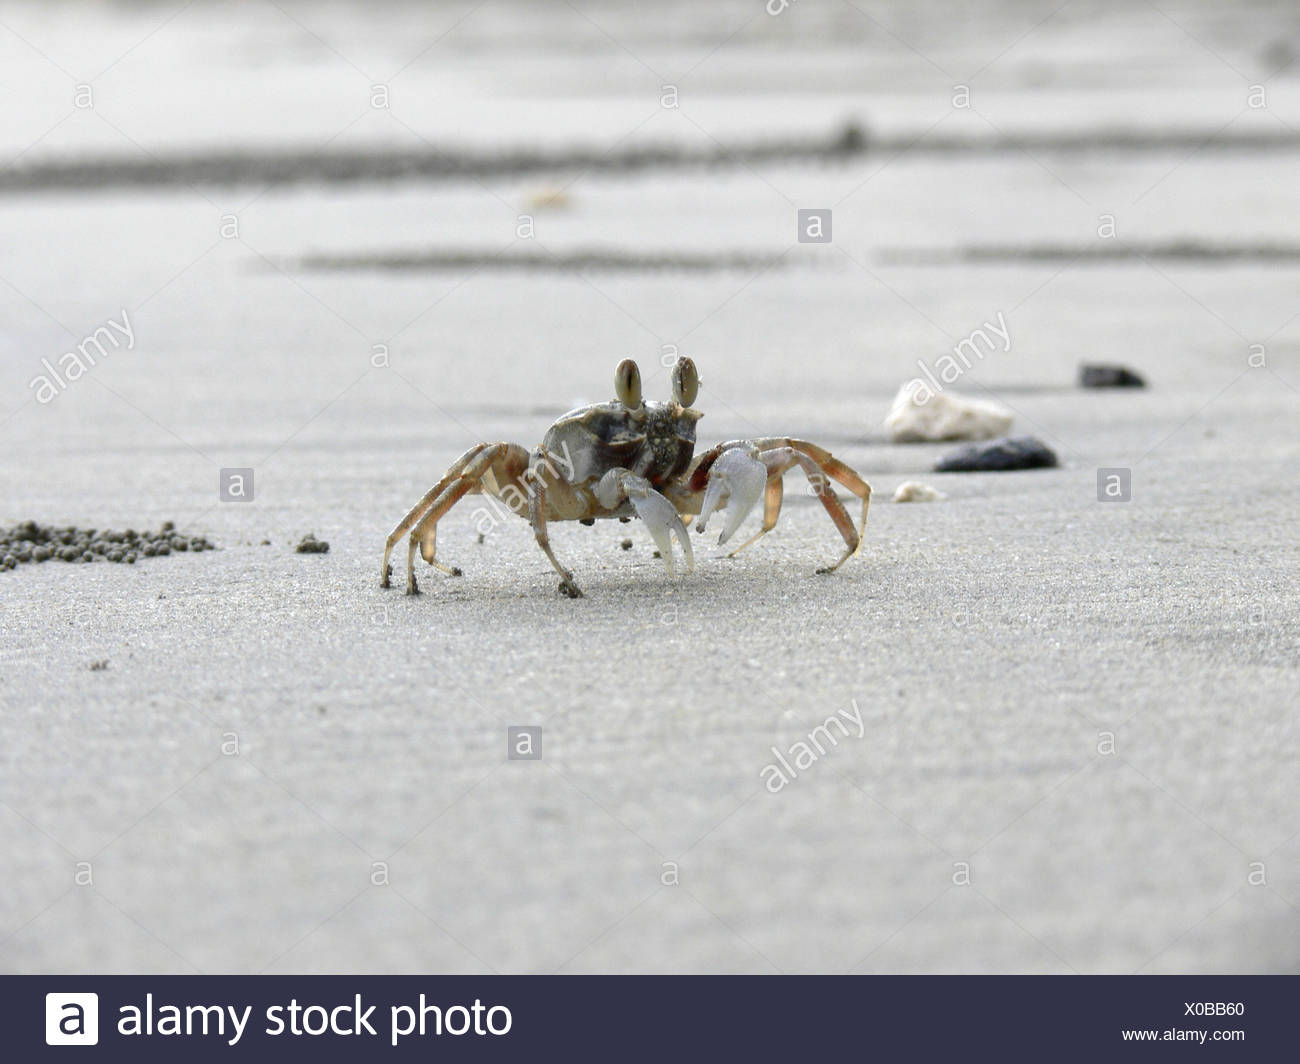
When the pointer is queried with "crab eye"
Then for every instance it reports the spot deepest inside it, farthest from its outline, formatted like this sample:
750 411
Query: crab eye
686 381
627 383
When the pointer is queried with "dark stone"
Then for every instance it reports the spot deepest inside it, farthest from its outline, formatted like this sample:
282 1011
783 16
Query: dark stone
996 456
1108 375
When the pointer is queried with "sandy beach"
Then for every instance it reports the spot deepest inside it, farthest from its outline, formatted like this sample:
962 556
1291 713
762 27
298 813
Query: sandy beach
1071 740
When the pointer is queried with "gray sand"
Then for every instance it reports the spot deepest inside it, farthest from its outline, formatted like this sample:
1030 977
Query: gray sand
1091 706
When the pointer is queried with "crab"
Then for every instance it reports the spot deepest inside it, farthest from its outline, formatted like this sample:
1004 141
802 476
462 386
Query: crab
628 458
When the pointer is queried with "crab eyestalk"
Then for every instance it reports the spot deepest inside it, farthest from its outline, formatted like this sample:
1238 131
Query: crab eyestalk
627 384
686 382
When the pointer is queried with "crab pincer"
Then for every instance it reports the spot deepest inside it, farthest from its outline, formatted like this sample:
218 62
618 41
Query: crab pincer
736 482
659 516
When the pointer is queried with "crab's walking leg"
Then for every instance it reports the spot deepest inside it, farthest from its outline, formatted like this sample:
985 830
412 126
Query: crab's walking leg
420 508
537 518
497 458
427 540
827 464
424 535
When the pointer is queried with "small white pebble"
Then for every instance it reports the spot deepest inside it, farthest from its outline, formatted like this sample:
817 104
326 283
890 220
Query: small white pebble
915 491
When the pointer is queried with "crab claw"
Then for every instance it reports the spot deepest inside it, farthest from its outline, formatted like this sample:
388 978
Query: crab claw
736 482
661 519
659 515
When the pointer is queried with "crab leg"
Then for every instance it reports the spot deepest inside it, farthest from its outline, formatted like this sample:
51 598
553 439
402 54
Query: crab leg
537 518
500 462
424 534
827 465
422 507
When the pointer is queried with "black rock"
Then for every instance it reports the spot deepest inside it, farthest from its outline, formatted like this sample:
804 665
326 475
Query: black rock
1108 375
998 456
